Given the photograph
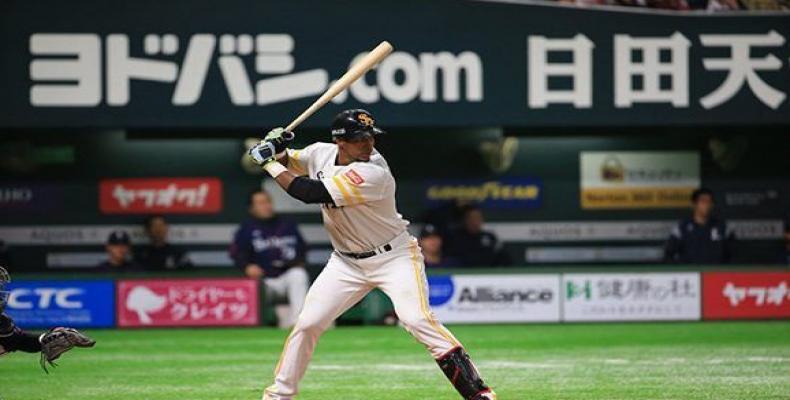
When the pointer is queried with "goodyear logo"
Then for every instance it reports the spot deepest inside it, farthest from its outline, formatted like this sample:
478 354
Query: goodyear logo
499 193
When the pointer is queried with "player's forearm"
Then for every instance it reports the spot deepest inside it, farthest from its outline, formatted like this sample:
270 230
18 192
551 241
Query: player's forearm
307 190
283 159
310 191
285 179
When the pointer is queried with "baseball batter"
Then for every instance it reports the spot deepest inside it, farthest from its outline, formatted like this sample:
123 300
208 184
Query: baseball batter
372 248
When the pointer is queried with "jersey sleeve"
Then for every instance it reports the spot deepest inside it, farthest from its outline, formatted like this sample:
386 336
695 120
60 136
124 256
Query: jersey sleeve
299 160
358 183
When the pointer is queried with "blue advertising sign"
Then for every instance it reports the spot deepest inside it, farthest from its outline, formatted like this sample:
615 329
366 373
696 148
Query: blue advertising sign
47 304
440 289
510 192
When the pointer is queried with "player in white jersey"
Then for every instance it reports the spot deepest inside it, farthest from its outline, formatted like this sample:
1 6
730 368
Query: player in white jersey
372 248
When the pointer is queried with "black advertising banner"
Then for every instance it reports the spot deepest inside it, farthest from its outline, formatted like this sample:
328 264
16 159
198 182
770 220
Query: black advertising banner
242 63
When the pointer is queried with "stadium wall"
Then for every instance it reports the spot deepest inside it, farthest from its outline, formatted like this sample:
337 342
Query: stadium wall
462 297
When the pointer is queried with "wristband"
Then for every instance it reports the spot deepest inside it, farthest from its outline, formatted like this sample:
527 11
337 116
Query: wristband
274 168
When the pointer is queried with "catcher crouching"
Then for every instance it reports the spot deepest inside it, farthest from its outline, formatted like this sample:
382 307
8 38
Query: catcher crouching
51 344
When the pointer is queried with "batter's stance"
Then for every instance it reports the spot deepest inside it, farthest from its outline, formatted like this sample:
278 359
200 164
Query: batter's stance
372 247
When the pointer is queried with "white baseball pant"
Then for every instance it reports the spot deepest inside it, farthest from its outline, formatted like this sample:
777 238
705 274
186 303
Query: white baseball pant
399 273
292 284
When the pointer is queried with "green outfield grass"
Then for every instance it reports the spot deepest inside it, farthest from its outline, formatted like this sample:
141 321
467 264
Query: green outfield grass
681 361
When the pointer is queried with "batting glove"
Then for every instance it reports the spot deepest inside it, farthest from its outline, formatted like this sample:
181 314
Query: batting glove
262 153
280 138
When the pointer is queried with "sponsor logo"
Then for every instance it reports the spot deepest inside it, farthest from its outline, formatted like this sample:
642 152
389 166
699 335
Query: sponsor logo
495 298
52 303
753 198
354 177
44 298
187 302
15 195
624 297
612 170
166 195
638 179
494 295
441 289
760 295
187 63
500 193
30 198
746 295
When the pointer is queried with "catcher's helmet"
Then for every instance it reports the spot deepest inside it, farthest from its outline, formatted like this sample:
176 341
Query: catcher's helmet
351 124
4 280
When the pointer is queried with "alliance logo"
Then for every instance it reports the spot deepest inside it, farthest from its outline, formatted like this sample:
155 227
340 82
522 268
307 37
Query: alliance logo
442 289
487 294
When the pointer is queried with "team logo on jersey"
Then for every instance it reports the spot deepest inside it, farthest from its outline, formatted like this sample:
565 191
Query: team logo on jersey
354 177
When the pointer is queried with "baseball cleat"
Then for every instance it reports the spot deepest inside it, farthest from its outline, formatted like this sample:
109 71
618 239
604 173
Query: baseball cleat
489 395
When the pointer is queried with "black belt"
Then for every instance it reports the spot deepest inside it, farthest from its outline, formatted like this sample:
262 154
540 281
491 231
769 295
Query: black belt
359 256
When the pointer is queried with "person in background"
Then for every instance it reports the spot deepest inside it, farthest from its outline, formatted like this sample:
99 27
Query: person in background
473 246
431 244
723 5
118 254
270 248
159 254
700 238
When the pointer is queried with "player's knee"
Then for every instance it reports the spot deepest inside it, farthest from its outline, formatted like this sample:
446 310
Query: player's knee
309 326
413 321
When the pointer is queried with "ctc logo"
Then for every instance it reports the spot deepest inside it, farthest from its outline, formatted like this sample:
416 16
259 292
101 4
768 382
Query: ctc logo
43 298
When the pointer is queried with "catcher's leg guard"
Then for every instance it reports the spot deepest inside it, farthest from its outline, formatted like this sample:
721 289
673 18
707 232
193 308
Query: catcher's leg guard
459 369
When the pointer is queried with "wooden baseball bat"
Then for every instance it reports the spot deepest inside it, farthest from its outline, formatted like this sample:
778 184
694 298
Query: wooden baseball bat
355 72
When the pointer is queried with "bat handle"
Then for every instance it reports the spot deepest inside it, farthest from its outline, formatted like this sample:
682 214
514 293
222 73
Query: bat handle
288 135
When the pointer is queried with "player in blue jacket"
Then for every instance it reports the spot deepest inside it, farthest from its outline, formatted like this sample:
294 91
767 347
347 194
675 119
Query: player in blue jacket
271 248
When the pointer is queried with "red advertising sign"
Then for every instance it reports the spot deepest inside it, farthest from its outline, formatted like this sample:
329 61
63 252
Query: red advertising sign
187 302
756 295
160 195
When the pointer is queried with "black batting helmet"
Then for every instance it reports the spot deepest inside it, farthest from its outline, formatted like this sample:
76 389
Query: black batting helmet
350 124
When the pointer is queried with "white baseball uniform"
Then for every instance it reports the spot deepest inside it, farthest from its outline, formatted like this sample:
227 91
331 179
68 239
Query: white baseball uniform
363 219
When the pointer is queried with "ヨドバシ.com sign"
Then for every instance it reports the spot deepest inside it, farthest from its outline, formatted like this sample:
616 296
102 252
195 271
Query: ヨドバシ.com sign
162 195
187 302
631 297
74 72
746 295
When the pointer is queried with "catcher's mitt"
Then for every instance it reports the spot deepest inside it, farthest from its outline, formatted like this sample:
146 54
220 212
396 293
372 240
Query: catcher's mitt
60 340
